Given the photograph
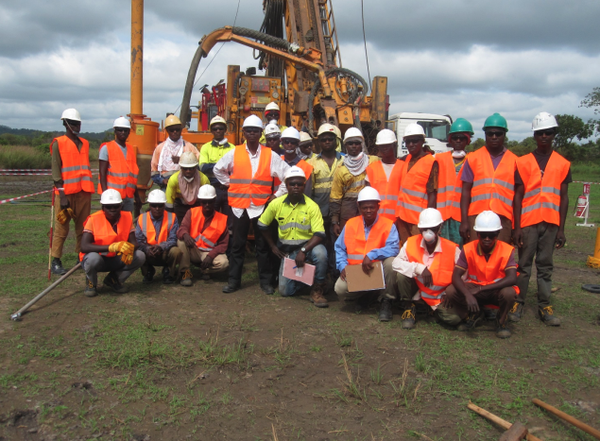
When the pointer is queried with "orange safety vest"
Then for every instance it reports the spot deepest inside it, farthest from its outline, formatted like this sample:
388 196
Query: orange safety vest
305 166
485 272
388 190
357 246
122 173
492 189
413 191
441 269
541 201
103 231
206 240
75 170
147 226
449 187
245 188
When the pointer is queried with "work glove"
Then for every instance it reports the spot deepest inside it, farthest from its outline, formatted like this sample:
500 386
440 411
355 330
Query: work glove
64 215
126 258
123 247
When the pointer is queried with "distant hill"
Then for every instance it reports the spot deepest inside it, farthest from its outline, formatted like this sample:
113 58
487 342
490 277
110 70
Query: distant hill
30 133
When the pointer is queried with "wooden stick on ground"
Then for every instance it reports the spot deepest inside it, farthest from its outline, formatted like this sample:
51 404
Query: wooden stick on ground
568 418
499 421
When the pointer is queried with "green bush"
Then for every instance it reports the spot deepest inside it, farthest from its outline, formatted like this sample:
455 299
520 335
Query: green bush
24 156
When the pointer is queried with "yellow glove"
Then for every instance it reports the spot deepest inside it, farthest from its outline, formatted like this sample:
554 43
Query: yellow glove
64 215
127 258
123 247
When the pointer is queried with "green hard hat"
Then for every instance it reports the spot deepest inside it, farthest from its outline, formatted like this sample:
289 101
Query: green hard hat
461 125
496 120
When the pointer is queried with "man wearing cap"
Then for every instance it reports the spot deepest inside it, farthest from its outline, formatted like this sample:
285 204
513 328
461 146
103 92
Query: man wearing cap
290 140
156 235
273 138
183 186
419 182
272 114
491 276
349 180
300 235
449 183
488 177
165 159
72 178
203 238
541 203
118 166
424 265
108 244
249 170
305 146
365 239
384 175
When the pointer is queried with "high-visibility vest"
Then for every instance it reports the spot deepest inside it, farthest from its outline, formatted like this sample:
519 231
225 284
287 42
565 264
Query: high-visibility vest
305 166
245 188
485 272
388 189
449 187
541 201
492 189
357 246
75 169
206 240
147 226
413 191
122 173
103 231
441 269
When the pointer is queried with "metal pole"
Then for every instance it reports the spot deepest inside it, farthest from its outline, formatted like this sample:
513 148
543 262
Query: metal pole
137 57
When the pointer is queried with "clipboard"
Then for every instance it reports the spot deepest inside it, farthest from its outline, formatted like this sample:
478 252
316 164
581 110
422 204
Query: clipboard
359 281
305 274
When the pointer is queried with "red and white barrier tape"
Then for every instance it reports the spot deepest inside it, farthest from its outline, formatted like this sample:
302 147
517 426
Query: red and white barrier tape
25 170
585 182
25 174
26 196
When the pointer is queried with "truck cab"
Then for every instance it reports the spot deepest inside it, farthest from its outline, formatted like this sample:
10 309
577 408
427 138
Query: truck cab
436 129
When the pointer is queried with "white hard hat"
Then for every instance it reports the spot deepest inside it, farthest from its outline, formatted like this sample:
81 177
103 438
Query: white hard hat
543 121
207 192
487 221
253 121
71 114
157 197
272 106
188 160
122 122
429 218
272 129
295 172
217 120
110 196
326 128
368 194
353 132
414 129
305 137
385 136
291 132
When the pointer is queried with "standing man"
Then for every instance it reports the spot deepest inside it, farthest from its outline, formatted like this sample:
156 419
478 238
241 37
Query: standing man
385 175
108 244
488 177
300 235
419 182
491 276
72 178
165 159
273 138
118 166
248 171
272 114
290 140
541 203
156 235
367 238
203 238
306 146
183 186
449 184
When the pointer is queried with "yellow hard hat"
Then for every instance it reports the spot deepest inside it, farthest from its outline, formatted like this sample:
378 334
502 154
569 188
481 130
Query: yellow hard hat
172 120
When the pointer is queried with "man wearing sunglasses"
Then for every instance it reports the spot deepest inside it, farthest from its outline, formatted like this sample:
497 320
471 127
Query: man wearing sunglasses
491 276
488 177
165 159
541 203
290 141
272 115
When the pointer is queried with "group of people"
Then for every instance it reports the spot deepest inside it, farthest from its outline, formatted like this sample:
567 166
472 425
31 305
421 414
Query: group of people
442 226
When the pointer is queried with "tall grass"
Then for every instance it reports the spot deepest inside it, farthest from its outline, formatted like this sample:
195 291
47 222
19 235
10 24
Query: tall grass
23 156
585 171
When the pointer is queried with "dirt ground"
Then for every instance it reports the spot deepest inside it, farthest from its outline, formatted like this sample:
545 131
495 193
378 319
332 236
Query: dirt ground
165 362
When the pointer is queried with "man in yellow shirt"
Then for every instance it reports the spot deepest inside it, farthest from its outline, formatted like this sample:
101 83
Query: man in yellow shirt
183 186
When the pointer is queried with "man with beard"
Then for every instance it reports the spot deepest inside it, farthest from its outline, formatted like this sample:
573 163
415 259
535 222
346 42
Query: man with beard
183 186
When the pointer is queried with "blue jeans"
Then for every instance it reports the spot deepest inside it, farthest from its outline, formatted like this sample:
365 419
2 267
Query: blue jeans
318 257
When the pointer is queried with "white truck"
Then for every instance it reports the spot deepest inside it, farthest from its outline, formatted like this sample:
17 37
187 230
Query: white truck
436 129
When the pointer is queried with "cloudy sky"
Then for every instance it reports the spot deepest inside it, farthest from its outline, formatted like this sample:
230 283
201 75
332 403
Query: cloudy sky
467 58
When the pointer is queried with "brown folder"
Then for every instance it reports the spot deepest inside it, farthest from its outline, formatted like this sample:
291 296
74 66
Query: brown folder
359 281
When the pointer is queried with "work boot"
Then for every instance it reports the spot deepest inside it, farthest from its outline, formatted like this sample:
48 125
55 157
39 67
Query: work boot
229 288
515 313
317 298
408 318
150 271
57 268
167 277
205 276
490 313
385 311
90 289
547 316
186 278
470 322
502 330
268 289
112 281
